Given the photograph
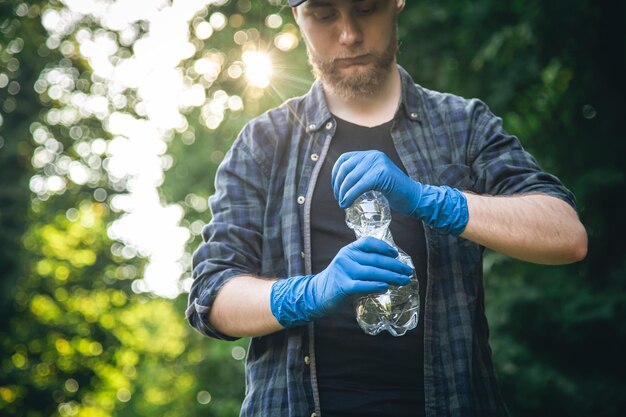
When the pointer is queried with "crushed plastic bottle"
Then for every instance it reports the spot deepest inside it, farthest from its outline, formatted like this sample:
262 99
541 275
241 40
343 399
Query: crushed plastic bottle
397 309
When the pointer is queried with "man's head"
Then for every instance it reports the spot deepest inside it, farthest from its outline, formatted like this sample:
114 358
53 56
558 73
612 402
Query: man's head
351 44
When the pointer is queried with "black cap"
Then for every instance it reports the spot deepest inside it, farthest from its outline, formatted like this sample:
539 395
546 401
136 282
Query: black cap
294 3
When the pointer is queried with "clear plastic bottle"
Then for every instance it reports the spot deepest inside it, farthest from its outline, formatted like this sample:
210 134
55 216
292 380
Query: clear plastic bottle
397 309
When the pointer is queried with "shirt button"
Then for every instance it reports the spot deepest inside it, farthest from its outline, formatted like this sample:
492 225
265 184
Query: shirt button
307 360
312 126
329 125
302 255
314 414
315 157
301 200
414 115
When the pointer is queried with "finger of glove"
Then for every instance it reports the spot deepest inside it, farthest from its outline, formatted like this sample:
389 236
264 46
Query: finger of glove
362 178
374 273
342 167
372 245
342 158
367 287
383 262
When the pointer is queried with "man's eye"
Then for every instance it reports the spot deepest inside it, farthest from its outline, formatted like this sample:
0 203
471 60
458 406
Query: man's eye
324 15
367 8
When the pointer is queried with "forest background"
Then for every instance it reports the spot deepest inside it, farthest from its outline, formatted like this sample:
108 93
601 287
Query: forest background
115 114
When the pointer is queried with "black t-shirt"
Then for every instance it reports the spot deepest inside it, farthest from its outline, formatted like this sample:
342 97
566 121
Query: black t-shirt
359 374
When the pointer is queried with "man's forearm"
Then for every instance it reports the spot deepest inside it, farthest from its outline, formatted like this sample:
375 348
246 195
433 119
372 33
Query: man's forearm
533 227
242 307
255 306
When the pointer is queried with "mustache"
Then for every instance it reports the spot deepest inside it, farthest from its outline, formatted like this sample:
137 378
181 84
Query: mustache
348 55
351 55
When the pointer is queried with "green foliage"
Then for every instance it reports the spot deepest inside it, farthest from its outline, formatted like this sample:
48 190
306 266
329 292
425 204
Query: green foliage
85 344
20 65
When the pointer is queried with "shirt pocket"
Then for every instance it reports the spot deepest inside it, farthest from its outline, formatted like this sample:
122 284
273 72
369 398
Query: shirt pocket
454 175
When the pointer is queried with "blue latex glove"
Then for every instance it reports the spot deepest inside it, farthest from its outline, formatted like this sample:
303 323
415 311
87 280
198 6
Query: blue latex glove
442 208
365 266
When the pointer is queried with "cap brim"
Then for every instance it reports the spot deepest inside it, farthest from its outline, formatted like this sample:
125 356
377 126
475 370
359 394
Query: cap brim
294 3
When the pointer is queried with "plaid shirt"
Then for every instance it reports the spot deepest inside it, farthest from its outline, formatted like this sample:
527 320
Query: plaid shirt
261 225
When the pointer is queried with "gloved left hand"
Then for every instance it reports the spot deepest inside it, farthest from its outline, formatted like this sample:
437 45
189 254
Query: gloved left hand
440 207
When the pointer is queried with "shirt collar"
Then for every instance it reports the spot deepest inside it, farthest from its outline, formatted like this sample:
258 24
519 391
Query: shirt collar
317 113
410 97
316 109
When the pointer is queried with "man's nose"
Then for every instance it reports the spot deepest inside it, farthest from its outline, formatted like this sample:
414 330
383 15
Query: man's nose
349 31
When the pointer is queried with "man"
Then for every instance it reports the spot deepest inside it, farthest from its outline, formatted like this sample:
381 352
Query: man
280 265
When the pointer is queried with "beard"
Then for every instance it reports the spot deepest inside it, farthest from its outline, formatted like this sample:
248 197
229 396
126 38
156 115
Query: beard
362 84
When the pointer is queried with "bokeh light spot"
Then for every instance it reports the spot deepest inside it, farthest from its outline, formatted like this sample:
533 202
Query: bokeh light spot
238 353
203 397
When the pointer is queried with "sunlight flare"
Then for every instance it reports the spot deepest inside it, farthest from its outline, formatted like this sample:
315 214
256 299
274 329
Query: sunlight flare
258 68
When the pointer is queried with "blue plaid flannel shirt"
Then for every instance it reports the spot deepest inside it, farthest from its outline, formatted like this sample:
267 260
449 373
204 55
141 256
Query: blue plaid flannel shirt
261 225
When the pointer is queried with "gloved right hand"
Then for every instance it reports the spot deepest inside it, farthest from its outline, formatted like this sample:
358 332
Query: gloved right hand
365 266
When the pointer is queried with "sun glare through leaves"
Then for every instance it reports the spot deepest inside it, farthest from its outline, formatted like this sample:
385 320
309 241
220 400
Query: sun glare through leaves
157 71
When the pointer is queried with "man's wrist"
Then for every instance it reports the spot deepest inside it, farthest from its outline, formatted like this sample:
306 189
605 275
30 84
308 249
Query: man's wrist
459 210
288 301
443 208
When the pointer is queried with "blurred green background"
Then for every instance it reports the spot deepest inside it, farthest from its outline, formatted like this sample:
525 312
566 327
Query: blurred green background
81 334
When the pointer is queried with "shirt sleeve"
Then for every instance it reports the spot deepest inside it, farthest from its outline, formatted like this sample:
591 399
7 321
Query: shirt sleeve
499 163
232 241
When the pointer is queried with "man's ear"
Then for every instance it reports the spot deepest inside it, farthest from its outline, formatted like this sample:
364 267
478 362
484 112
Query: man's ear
400 5
294 10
